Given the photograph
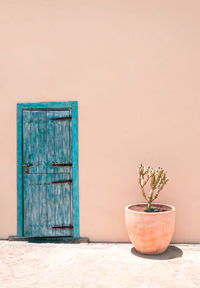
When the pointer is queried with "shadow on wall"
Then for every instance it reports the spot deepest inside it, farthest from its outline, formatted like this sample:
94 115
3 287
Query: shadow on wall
171 253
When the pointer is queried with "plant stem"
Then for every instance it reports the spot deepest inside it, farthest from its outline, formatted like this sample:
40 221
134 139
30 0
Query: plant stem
149 206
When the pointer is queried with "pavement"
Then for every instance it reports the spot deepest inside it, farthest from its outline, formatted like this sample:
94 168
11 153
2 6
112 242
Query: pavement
96 265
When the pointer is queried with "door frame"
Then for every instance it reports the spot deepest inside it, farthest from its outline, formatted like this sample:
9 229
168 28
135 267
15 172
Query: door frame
75 187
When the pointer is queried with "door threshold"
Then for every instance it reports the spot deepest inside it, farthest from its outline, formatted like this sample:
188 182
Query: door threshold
52 239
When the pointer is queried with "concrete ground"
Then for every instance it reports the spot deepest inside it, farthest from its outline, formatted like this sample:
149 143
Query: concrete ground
30 265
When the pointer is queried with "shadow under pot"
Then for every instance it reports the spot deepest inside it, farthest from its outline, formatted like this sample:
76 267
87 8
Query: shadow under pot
150 232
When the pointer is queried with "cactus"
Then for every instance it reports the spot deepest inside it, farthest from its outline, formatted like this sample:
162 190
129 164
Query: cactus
157 179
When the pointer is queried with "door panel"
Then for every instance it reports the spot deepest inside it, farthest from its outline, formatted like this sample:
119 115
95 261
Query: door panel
27 190
59 133
46 154
42 142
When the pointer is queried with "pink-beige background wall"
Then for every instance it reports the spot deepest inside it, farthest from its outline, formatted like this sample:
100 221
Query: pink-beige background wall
134 67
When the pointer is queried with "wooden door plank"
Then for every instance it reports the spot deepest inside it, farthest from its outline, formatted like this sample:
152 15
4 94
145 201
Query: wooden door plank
42 169
34 141
65 140
35 177
75 195
27 205
67 188
51 204
58 138
50 173
42 115
60 132
27 177
26 137
67 198
35 204
43 205
62 204
50 142
58 190
61 155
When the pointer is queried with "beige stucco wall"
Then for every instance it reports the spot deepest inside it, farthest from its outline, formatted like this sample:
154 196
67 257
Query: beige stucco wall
134 67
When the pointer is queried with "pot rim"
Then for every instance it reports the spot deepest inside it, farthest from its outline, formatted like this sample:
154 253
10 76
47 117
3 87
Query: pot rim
127 208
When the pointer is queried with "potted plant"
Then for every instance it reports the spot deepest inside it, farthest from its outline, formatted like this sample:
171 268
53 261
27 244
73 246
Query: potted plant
150 226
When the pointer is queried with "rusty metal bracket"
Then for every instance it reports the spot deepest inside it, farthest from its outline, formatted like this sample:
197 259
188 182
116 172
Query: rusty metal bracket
63 227
61 164
62 118
62 181
27 165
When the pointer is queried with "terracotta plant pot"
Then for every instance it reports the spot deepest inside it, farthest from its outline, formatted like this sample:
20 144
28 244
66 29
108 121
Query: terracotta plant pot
150 232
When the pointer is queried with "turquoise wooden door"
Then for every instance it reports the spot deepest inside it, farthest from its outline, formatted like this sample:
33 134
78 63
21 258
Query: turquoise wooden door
47 173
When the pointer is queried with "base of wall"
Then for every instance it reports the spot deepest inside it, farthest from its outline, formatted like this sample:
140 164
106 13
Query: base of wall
58 239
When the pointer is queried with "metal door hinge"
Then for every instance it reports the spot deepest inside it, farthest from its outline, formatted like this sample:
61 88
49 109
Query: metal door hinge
62 181
61 164
61 118
63 227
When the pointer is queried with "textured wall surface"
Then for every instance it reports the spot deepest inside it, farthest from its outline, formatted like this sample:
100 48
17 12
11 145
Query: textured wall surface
134 67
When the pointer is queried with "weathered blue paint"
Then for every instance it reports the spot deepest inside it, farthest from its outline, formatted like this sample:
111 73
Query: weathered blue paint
27 189
75 194
35 183
49 105
52 154
19 173
36 139
50 158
